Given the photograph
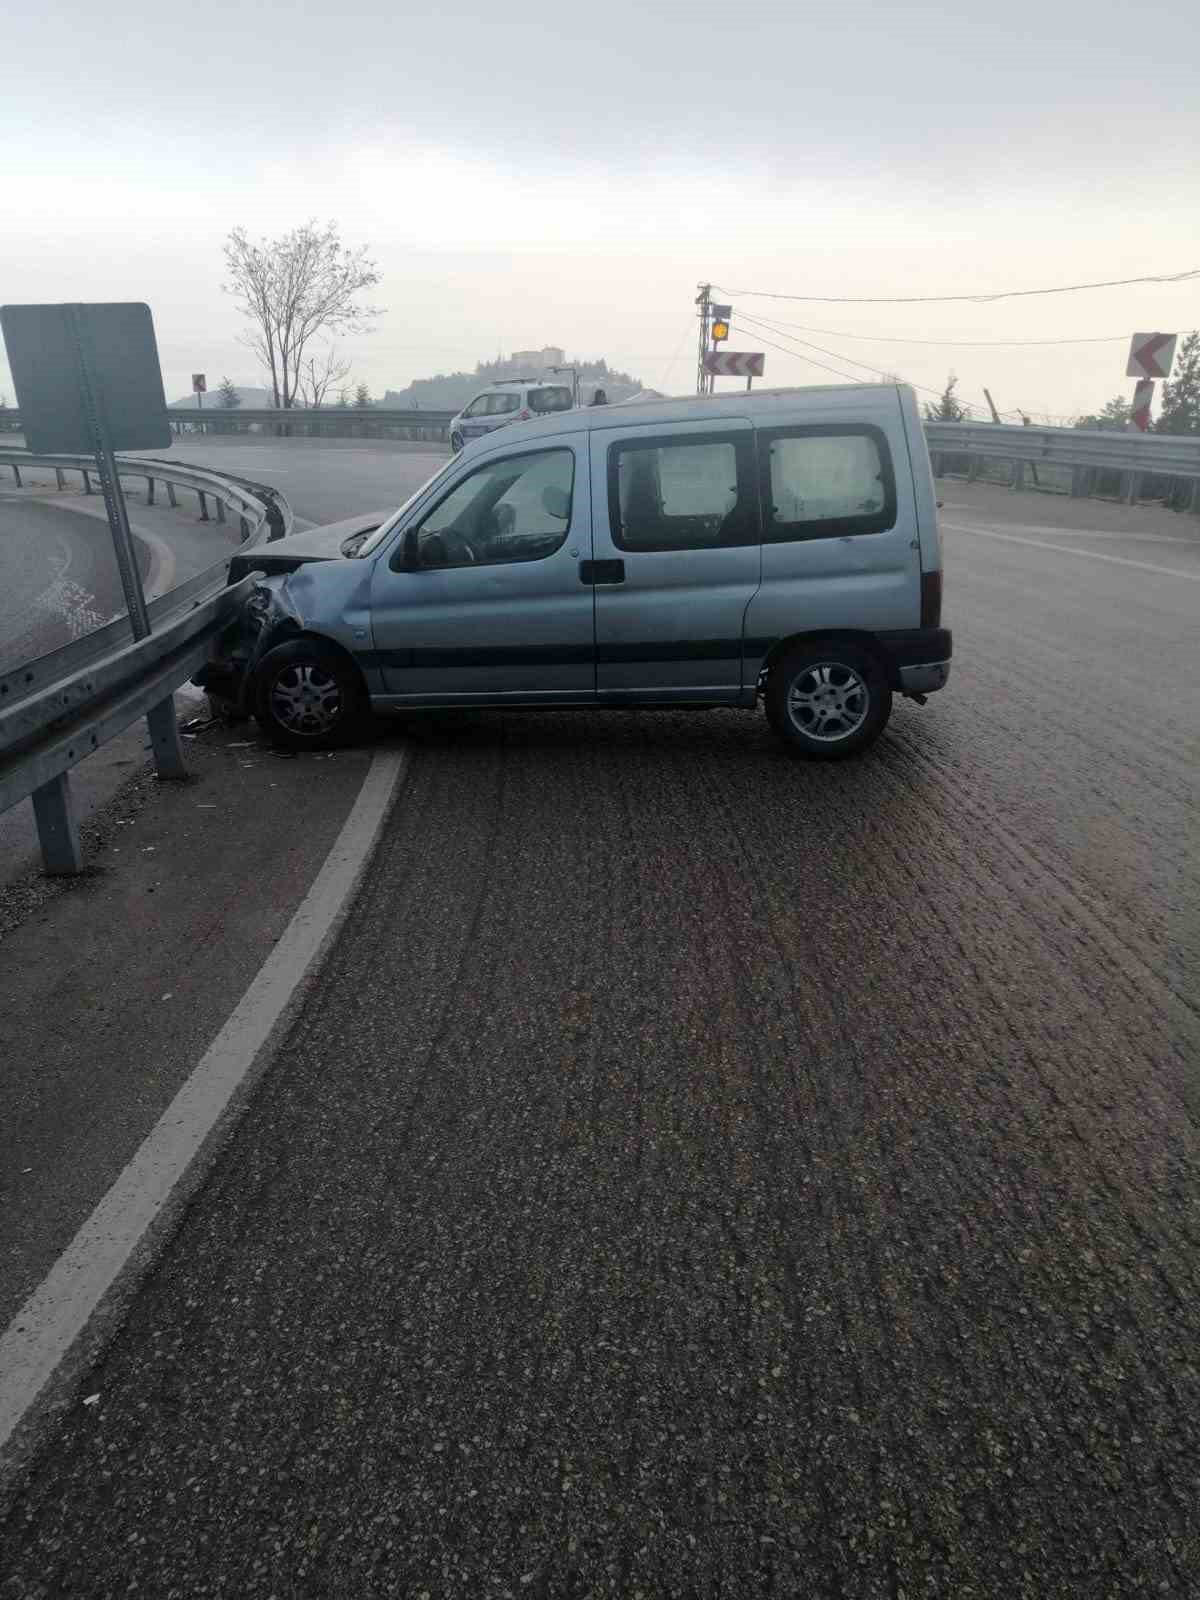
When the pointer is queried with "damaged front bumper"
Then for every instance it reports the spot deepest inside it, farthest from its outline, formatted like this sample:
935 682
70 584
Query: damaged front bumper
237 650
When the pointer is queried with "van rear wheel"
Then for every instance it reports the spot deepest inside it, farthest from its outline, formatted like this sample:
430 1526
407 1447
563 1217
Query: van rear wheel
828 700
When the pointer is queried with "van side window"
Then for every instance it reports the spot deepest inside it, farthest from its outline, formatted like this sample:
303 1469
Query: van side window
500 404
681 493
827 481
517 509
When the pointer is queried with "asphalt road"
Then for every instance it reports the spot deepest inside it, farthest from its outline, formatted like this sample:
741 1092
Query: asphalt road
58 578
705 1174
324 479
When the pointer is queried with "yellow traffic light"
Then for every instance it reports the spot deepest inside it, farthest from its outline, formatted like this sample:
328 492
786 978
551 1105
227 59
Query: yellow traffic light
720 330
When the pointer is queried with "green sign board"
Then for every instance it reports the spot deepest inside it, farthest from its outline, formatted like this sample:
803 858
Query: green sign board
80 369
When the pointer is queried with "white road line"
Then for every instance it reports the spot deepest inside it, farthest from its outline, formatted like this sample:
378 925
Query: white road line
108 1250
161 577
1071 550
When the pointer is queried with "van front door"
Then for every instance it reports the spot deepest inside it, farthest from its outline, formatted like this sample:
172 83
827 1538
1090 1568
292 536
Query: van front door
677 559
495 608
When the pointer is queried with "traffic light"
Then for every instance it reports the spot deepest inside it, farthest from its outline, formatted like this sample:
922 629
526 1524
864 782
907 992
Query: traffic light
720 323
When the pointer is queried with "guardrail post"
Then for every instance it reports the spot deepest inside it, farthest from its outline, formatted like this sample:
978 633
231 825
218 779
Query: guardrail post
171 493
87 481
1018 475
204 517
1079 483
61 481
17 474
58 834
220 505
164 739
973 469
1130 483
149 490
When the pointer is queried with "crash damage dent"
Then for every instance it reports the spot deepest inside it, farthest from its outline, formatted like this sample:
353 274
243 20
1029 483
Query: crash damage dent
331 599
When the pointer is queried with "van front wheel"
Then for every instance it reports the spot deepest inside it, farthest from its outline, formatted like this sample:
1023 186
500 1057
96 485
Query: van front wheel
828 700
308 697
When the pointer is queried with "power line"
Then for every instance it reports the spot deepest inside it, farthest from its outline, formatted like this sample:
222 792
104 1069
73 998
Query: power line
757 327
883 338
800 356
665 379
927 299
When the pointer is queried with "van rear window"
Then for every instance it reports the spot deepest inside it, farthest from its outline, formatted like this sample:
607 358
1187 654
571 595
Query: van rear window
552 398
826 482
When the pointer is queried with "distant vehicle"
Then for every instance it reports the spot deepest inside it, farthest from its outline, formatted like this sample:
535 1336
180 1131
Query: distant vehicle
510 400
779 547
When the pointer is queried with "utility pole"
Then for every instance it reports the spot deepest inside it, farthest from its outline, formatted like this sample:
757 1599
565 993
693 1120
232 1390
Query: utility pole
703 378
991 405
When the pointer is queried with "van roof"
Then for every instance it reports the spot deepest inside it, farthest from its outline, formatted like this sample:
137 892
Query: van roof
759 403
526 383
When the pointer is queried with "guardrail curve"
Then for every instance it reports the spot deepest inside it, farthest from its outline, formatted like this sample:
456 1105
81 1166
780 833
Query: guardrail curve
60 707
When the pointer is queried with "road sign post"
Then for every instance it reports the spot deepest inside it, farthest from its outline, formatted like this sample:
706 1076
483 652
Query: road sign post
199 388
88 382
110 483
1143 398
1150 357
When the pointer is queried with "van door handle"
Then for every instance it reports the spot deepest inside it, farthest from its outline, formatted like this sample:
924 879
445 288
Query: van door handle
602 572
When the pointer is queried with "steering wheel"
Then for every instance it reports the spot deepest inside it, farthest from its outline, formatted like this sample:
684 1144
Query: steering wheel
448 549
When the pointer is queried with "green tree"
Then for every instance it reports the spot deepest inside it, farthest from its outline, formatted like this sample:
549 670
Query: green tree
948 407
1181 396
1114 415
362 397
228 399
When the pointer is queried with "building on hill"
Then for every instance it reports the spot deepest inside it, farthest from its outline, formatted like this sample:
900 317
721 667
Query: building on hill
533 361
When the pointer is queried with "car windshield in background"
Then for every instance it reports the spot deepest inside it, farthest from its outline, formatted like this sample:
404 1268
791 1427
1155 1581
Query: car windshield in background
554 397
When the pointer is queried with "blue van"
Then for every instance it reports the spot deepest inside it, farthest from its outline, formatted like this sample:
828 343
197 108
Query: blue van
721 550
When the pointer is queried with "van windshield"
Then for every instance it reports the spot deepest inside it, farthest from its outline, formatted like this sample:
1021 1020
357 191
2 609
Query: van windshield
374 540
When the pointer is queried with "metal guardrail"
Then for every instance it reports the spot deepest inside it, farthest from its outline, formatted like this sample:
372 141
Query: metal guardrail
226 493
44 735
1164 454
60 707
1089 454
301 421
265 509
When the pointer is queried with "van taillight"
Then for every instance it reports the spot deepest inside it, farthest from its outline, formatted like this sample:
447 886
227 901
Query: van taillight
931 599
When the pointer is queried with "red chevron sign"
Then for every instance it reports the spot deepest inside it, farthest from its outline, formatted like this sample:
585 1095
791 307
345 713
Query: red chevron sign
1143 398
1150 355
735 363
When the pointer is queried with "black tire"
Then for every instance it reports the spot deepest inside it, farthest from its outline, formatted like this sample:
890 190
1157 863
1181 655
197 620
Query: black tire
327 702
456 442
828 700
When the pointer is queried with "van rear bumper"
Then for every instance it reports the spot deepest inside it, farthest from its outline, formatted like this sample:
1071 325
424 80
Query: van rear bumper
919 658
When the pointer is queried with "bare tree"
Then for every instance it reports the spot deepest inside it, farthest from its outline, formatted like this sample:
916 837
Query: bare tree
293 288
320 374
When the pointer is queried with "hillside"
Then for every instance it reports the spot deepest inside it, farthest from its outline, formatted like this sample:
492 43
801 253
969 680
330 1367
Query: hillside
450 390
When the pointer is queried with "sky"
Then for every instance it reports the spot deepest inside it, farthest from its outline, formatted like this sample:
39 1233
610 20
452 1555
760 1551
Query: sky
567 173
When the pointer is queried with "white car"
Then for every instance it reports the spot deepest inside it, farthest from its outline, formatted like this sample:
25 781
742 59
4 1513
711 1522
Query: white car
510 400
